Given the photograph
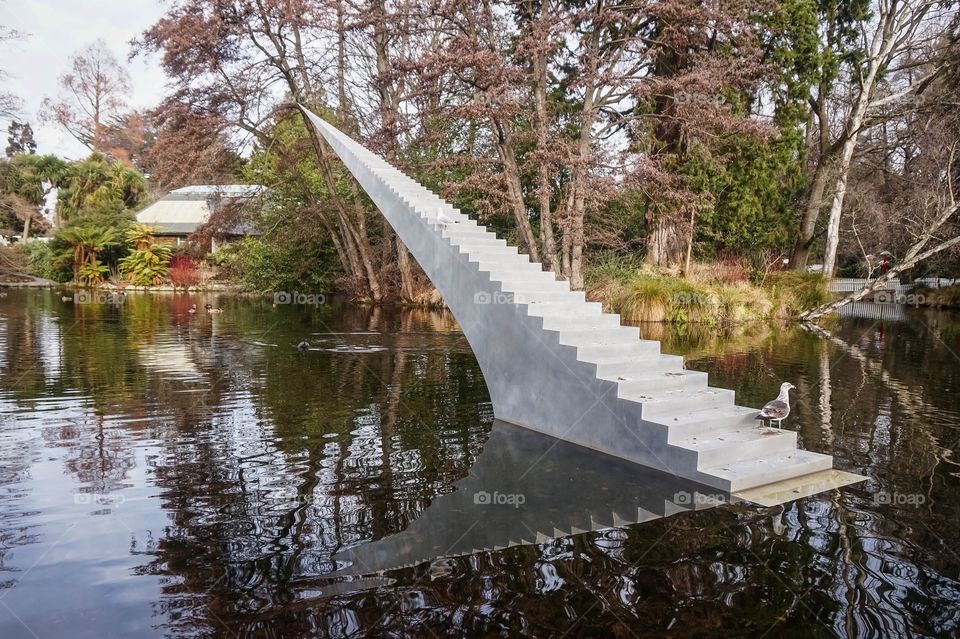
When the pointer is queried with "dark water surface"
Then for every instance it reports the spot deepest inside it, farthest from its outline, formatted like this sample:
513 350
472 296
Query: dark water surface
164 474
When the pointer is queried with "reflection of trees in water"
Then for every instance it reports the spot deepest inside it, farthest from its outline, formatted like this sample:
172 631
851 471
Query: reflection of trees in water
99 456
15 460
330 449
270 460
882 399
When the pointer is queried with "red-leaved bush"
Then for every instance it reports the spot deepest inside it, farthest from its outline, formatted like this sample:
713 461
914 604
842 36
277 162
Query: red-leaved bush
183 271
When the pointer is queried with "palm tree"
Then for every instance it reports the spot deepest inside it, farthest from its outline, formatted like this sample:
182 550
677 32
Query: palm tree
85 244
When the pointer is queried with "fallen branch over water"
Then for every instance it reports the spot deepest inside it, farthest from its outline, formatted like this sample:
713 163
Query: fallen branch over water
915 255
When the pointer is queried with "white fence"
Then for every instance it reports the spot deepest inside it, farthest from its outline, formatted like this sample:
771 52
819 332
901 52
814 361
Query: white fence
935 282
869 310
851 284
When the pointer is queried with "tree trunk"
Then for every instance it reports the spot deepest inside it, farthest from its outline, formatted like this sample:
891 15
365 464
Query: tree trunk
515 193
839 192
811 213
893 20
407 280
26 228
543 170
567 240
666 245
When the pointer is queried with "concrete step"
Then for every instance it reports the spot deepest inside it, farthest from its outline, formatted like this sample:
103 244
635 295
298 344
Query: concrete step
547 309
692 423
534 294
502 262
742 444
622 335
579 323
461 230
518 281
751 473
620 366
594 352
519 265
492 250
465 242
674 402
655 381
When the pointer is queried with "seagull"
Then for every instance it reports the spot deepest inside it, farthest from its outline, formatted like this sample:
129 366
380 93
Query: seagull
443 218
778 409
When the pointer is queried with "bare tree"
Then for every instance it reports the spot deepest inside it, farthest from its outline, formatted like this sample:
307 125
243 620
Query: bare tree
928 216
887 70
93 92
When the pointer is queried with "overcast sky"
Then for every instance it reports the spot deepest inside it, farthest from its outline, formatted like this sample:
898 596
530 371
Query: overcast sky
54 30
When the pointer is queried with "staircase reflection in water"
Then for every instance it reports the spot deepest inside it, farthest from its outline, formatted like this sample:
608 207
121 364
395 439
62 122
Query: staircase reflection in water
525 488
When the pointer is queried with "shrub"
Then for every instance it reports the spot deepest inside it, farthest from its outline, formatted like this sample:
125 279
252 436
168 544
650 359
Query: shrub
183 271
947 297
82 247
797 291
257 264
41 260
147 263
713 294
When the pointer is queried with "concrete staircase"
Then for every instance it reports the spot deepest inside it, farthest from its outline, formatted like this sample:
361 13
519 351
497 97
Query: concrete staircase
558 364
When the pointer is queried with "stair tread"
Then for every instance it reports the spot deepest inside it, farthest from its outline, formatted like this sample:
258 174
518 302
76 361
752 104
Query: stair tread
782 464
690 417
673 394
653 373
735 437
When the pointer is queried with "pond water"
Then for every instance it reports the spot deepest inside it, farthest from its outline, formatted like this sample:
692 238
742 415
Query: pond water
169 474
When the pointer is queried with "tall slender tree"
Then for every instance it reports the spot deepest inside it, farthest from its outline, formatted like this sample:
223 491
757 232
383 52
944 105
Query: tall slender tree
93 91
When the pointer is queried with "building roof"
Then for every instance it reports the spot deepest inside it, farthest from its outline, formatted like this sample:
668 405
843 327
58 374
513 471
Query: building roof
183 210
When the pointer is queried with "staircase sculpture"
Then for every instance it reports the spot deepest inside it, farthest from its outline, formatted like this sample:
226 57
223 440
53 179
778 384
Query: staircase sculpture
558 364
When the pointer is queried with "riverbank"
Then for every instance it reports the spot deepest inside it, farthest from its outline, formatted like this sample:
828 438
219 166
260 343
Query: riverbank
712 294
945 298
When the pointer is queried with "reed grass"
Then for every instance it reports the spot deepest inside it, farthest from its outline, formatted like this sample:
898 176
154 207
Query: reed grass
713 294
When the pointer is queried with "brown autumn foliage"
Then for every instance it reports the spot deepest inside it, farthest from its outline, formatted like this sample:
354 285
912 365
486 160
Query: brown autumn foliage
534 114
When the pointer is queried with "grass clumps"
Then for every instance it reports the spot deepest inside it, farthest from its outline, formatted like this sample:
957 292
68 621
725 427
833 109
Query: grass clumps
796 291
947 297
711 294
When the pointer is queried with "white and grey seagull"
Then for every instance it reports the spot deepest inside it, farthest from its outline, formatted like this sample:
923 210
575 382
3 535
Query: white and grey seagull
778 409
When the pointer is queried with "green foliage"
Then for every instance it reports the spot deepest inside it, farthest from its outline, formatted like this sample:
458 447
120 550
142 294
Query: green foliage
89 245
261 265
95 202
148 262
22 186
92 272
798 290
298 253
611 266
41 261
96 186
753 191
